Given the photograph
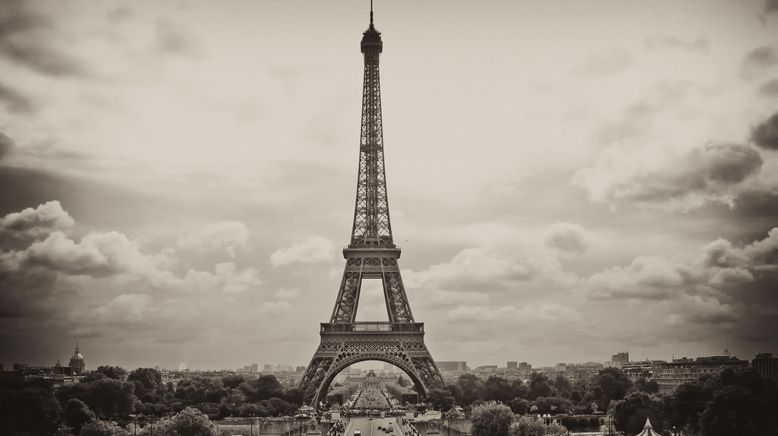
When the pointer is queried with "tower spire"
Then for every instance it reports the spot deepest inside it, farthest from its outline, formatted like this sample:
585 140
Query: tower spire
371 13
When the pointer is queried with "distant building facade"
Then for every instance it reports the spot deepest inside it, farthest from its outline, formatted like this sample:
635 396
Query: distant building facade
513 365
670 375
620 359
766 365
452 366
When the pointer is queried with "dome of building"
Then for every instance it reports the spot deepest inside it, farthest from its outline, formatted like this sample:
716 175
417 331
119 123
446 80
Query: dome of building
77 361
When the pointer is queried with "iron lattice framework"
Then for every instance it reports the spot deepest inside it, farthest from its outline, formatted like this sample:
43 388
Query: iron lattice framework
371 254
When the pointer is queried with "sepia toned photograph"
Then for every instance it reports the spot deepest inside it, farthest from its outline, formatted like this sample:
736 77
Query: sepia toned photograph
196 236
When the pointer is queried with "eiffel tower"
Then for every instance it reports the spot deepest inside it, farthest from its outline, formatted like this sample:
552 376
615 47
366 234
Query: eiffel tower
370 255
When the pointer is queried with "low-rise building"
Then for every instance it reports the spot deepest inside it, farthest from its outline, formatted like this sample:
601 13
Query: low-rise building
766 365
445 366
670 375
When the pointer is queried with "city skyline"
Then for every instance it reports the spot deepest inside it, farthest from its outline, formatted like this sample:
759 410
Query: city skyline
565 180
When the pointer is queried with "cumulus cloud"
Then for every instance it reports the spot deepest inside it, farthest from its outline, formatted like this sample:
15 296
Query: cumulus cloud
646 278
765 134
227 236
722 283
481 269
313 250
709 173
34 223
567 237
50 265
719 268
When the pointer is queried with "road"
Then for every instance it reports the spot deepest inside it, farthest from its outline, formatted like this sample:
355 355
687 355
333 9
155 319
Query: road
370 427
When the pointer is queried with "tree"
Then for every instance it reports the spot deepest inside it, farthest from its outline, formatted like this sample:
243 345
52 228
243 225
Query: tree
520 389
735 410
440 399
188 422
108 398
102 428
232 381
630 414
114 372
471 389
28 407
539 386
552 405
528 426
611 384
648 386
491 419
562 386
149 378
401 381
76 414
686 405
498 389
519 406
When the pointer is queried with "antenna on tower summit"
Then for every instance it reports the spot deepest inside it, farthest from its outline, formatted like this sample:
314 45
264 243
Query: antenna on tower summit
371 13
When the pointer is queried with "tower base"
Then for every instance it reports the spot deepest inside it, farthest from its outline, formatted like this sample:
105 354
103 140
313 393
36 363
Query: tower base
344 344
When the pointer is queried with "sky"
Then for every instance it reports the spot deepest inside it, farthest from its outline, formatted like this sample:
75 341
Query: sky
567 179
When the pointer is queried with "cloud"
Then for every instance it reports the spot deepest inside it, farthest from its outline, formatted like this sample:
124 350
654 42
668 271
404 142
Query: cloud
759 203
26 39
723 292
533 313
312 250
6 144
673 42
226 236
15 101
605 62
770 6
720 270
50 263
171 39
765 134
645 278
485 269
769 88
708 173
567 237
34 223
758 61
638 118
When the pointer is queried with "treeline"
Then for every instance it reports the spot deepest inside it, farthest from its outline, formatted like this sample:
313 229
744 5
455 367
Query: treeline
35 407
541 394
736 401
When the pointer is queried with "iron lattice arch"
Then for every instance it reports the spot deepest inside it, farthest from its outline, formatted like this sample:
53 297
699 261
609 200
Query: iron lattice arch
371 254
402 345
